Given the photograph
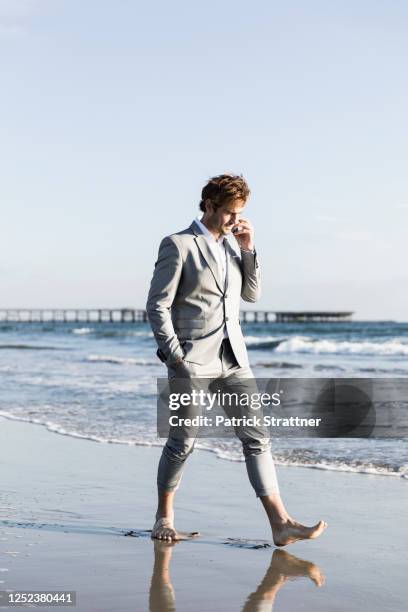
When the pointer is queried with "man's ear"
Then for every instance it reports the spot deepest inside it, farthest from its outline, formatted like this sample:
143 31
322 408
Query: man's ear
209 208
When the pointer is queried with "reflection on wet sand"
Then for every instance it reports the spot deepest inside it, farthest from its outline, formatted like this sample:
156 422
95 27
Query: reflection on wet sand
161 597
283 567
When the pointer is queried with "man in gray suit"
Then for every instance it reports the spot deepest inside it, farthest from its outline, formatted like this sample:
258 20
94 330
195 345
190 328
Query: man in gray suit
200 276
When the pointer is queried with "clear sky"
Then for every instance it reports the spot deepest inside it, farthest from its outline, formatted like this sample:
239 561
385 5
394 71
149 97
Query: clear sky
114 113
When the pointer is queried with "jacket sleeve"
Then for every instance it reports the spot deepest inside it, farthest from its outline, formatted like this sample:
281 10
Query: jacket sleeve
163 288
251 276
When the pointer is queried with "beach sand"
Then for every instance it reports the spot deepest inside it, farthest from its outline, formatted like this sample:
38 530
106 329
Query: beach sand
66 505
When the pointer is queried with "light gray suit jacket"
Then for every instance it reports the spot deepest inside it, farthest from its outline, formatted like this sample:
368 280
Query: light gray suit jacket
188 304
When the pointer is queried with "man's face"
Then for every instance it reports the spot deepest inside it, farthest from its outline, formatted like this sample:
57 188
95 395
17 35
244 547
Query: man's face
224 218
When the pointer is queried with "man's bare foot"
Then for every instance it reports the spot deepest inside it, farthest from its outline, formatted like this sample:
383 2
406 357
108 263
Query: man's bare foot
290 531
163 529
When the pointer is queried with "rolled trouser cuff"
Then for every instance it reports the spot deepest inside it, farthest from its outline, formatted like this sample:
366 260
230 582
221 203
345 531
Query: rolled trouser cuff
262 473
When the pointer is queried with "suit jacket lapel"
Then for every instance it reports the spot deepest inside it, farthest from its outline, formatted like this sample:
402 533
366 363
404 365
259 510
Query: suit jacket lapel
206 252
212 263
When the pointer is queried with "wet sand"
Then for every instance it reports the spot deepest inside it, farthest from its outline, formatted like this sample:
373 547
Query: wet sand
66 505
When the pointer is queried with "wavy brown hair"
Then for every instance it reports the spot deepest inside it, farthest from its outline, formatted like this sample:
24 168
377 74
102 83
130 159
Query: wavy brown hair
223 189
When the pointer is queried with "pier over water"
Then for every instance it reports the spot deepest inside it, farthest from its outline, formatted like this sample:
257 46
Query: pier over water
135 315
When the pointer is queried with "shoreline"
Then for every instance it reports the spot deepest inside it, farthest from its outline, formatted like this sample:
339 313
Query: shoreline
66 505
219 454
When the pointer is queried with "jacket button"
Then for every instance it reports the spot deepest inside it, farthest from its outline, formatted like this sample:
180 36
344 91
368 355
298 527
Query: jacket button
226 318
225 296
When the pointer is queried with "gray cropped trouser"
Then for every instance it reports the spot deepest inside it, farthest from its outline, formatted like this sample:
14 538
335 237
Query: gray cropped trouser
255 443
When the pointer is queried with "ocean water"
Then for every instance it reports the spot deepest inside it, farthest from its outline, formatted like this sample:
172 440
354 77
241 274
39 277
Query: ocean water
98 381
